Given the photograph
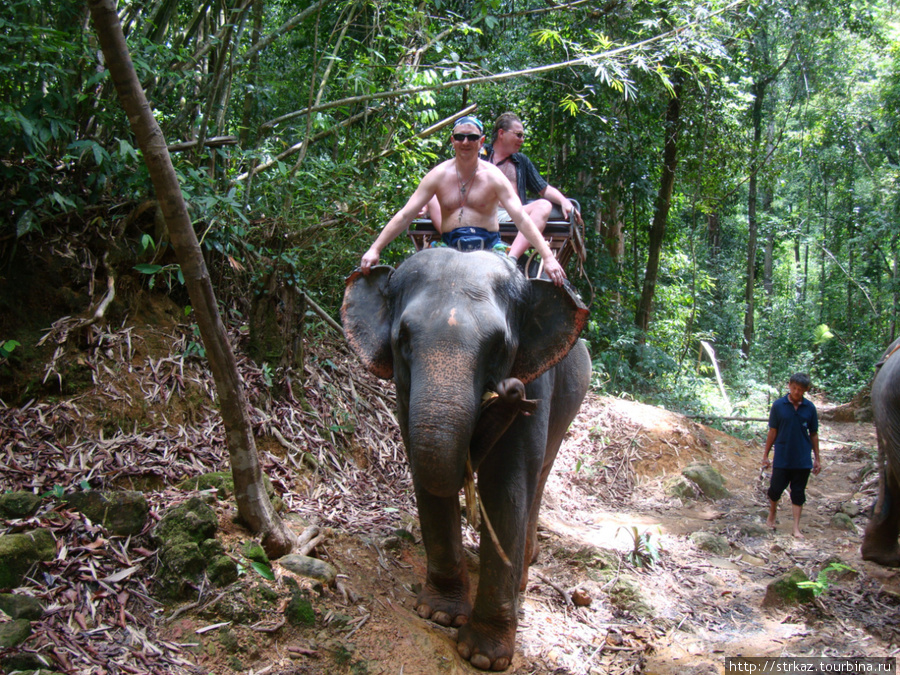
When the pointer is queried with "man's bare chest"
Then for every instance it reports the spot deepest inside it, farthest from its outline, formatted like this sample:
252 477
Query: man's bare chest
508 169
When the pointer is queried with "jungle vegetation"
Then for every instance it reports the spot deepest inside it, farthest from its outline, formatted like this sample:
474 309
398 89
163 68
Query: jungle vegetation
737 164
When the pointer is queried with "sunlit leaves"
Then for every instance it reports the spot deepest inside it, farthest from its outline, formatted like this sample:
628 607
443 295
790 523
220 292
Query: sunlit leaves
548 37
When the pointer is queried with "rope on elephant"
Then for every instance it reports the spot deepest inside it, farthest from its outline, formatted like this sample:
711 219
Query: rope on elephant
472 497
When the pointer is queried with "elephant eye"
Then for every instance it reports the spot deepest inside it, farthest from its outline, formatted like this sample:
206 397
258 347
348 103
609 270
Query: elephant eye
497 348
402 340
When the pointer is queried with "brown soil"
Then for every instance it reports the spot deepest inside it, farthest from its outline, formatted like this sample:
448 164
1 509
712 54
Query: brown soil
683 611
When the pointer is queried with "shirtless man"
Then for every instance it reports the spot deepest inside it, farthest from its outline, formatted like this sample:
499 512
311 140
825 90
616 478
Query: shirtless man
468 192
504 153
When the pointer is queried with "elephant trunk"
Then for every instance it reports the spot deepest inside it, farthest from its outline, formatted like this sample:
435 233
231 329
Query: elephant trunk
439 433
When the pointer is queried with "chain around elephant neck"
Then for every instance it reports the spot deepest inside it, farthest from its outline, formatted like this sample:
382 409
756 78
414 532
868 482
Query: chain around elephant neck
463 190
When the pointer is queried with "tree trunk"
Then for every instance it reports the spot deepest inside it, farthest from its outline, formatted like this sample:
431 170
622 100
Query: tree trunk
757 160
895 294
609 223
823 272
799 271
759 93
661 211
768 198
253 503
252 77
714 234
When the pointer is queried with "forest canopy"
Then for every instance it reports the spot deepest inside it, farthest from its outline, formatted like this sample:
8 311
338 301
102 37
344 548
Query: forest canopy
736 163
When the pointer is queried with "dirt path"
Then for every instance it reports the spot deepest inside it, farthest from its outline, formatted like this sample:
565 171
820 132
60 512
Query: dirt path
714 601
683 614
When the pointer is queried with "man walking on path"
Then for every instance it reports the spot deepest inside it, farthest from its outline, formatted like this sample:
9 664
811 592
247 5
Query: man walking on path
794 433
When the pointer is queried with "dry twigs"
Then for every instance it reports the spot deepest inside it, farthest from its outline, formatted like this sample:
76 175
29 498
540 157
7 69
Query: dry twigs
150 421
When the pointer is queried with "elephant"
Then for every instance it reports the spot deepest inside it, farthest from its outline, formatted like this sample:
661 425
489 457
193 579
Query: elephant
489 372
880 538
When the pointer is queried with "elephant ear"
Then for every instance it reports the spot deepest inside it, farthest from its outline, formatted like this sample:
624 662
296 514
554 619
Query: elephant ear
551 326
366 316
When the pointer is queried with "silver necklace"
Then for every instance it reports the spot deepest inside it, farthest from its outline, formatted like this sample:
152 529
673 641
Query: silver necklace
463 190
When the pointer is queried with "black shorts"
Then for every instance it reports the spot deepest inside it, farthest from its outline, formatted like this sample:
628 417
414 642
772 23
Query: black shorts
796 478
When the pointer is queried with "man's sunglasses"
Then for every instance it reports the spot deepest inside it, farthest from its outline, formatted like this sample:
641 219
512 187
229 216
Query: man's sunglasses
466 137
517 134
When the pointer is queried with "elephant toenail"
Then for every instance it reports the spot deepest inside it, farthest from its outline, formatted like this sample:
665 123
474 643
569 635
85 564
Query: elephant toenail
441 618
481 661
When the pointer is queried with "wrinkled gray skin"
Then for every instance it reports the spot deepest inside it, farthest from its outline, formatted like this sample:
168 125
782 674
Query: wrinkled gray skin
449 327
880 539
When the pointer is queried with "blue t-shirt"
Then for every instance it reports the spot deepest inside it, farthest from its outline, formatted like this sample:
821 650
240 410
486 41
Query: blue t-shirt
793 447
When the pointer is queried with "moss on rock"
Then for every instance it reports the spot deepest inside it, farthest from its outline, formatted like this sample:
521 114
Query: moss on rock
18 552
192 521
713 543
19 504
708 480
785 590
186 539
626 596
300 612
119 512
21 606
13 633
680 487
222 571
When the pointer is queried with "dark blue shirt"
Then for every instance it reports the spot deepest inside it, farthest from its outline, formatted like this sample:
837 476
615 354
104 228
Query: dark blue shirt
793 447
528 178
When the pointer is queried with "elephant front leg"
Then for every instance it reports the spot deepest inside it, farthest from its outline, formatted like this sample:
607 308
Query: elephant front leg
488 640
444 598
880 539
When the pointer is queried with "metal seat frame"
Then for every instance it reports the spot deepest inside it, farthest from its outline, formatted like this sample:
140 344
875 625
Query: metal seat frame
564 237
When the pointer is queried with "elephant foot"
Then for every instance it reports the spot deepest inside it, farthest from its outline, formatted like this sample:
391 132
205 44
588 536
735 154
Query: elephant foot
878 552
487 645
447 605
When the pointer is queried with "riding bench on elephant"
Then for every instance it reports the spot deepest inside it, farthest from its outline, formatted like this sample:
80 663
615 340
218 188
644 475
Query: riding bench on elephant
564 235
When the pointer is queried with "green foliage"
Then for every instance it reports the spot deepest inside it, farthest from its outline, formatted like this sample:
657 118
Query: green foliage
263 570
823 581
821 334
195 346
168 273
646 549
7 347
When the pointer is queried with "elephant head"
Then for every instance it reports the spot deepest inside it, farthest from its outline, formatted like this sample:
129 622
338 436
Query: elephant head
450 327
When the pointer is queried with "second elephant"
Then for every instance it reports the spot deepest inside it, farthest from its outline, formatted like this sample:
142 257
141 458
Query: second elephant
880 539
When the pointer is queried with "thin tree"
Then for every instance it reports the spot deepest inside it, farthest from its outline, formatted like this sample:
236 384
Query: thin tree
253 503
758 159
663 203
